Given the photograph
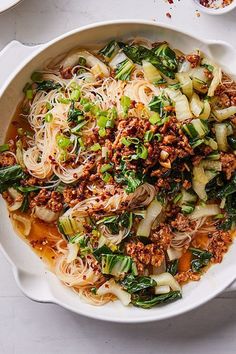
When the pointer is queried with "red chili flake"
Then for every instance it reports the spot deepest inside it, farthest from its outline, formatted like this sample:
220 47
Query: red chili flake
171 1
75 175
107 286
168 15
84 277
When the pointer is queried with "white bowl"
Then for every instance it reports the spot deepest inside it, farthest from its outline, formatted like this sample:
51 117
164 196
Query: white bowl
220 11
8 4
30 273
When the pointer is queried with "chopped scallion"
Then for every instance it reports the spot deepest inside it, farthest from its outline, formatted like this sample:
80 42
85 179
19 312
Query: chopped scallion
106 177
105 168
155 118
48 117
102 132
75 95
148 136
96 147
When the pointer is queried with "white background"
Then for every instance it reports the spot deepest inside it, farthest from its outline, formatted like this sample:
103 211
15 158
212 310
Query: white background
32 328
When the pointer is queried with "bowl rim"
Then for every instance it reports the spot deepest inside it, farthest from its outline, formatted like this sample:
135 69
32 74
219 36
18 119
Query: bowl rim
153 316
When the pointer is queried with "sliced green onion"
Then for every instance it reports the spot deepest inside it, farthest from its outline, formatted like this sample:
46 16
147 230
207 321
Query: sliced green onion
48 117
81 143
37 77
96 147
110 123
84 100
155 118
102 121
29 94
78 127
4 147
158 137
177 198
128 141
105 168
87 107
82 61
106 177
187 209
112 113
63 142
102 132
63 100
75 95
142 152
148 136
95 110
125 141
74 86
125 102
48 106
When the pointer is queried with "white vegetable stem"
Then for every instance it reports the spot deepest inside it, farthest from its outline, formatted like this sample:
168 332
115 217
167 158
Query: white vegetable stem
205 210
145 225
166 279
111 287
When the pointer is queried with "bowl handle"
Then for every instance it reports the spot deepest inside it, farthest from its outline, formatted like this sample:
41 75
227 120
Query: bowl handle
11 55
34 286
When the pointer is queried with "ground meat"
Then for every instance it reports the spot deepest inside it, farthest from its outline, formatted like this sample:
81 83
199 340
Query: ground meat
7 160
66 73
52 200
31 181
162 236
228 164
145 256
182 223
194 59
219 244
184 277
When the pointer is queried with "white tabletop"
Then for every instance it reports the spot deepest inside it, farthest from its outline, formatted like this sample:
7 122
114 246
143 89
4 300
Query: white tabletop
29 327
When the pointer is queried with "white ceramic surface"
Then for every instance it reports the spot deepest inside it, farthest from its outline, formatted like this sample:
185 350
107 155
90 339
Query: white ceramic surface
31 276
7 4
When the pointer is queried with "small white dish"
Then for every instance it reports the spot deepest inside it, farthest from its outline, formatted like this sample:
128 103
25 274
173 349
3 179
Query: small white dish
7 4
212 11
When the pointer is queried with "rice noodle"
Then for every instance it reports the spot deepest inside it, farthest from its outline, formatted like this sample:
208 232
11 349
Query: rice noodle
182 239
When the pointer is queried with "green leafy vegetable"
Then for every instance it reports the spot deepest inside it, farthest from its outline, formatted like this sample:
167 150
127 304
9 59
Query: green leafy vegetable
232 142
109 50
9 175
124 70
129 178
27 189
202 259
230 207
157 104
116 264
98 252
133 284
172 267
4 147
156 300
47 85
228 189
74 114
162 57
